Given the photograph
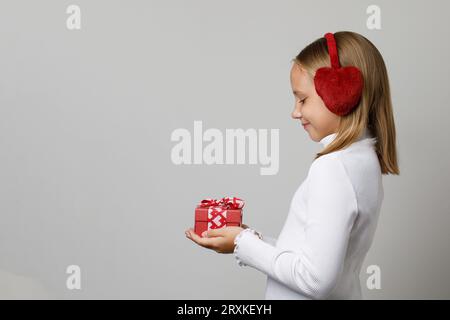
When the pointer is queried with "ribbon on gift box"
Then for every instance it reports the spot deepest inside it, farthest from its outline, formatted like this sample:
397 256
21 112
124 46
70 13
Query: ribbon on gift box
217 210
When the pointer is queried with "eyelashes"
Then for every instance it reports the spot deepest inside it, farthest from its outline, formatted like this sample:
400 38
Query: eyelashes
302 101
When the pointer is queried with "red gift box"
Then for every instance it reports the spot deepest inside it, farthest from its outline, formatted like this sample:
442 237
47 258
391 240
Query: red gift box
216 214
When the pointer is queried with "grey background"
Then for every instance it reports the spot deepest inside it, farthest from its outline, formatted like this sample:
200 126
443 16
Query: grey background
86 118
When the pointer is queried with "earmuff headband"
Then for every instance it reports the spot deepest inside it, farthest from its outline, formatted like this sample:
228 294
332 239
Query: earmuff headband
332 50
339 87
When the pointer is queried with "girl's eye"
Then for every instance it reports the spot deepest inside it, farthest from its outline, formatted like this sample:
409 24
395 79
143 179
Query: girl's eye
302 101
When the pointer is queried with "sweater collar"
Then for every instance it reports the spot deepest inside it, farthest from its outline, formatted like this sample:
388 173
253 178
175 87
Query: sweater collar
329 138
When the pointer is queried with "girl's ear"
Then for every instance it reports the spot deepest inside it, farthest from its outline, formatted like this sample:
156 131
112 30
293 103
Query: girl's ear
340 88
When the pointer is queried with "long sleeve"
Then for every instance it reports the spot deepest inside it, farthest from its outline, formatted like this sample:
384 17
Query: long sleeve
314 268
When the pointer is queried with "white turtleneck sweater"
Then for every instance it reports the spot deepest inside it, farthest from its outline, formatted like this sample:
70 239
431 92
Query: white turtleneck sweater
328 231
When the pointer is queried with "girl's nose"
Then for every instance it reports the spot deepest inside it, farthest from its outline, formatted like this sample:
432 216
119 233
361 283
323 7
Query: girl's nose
296 114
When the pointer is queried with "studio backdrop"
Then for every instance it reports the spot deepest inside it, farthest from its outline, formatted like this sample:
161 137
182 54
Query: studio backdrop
95 97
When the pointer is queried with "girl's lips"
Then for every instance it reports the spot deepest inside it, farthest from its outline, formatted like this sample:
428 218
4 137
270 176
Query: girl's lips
305 126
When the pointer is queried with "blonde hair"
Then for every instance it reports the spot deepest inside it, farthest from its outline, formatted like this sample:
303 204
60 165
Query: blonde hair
374 110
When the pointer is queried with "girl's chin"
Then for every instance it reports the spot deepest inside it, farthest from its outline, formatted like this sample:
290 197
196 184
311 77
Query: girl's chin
311 134
308 128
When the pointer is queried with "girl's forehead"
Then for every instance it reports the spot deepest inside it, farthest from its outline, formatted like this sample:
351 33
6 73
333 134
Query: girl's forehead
299 77
297 66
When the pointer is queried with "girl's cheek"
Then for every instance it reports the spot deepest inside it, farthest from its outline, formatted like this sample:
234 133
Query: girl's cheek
308 113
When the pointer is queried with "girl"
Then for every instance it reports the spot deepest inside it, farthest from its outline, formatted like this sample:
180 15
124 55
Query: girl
334 212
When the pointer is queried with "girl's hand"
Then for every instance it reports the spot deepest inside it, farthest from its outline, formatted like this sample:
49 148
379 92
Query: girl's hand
220 240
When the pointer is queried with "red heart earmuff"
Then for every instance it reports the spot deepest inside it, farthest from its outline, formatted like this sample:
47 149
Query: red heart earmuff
339 87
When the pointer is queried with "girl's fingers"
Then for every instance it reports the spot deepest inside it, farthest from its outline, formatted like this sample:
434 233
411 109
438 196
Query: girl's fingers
204 242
